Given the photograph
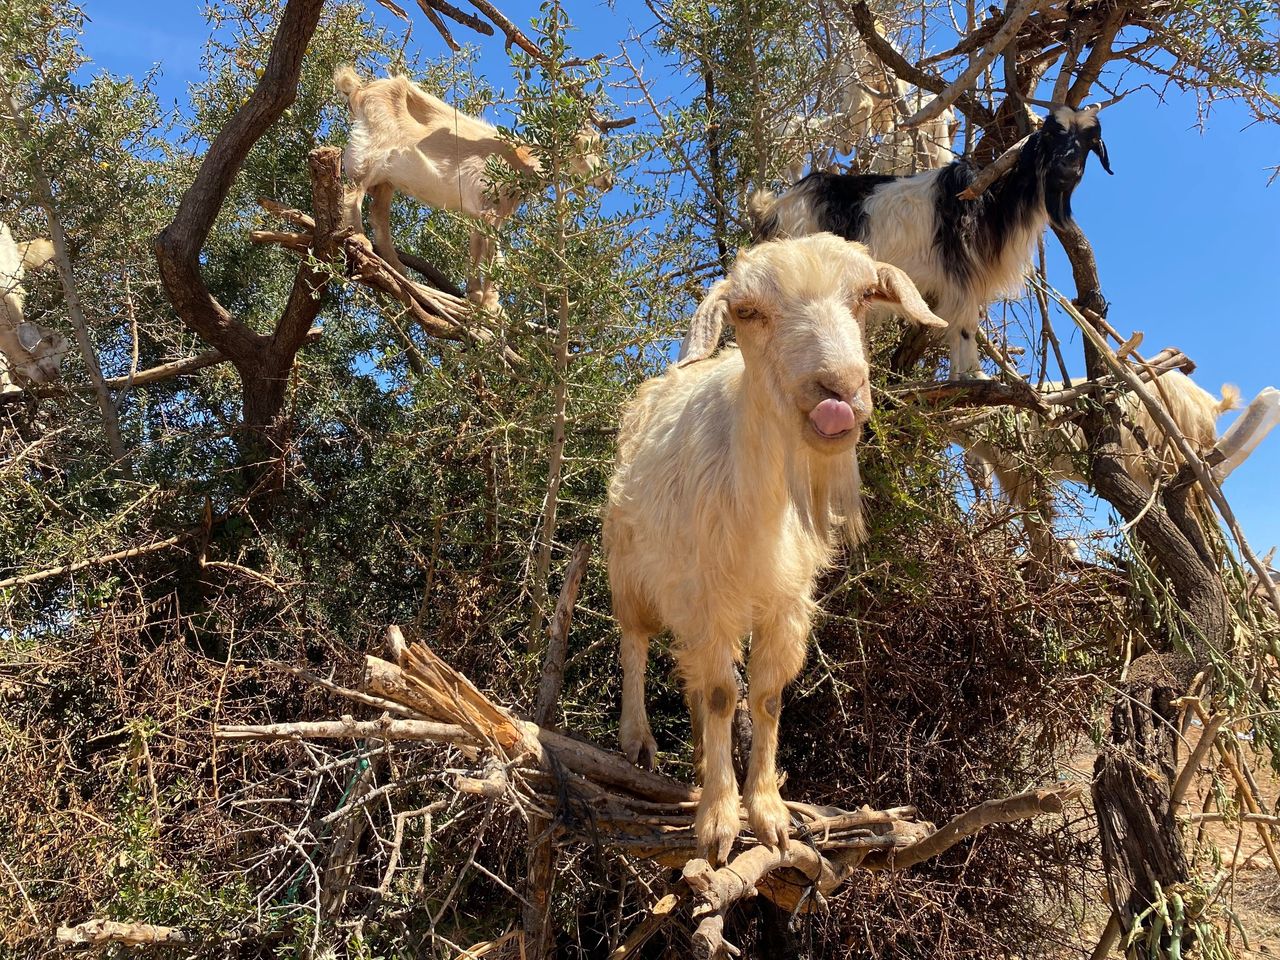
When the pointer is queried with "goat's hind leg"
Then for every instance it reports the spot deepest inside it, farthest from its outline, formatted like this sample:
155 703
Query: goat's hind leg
777 653
638 626
634 734
380 217
485 255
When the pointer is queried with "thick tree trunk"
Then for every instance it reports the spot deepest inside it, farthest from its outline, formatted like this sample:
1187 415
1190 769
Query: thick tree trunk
1141 843
1142 850
263 362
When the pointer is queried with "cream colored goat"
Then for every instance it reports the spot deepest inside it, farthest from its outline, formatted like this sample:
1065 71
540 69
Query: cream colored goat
733 475
874 102
29 351
868 92
403 138
902 151
1146 460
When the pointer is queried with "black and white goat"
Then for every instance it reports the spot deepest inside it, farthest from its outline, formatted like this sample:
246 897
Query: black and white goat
961 254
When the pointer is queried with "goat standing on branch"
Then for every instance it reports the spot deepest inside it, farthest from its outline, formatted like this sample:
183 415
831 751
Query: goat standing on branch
962 254
732 475
873 100
1146 454
402 138
28 350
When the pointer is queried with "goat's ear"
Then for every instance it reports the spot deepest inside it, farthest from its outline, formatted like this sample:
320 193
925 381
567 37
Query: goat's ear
705 326
29 335
895 288
1100 148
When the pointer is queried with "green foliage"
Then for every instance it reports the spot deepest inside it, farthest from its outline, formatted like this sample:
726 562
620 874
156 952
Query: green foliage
944 672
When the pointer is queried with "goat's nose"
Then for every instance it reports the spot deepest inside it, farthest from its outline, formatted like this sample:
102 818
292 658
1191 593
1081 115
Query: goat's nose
847 389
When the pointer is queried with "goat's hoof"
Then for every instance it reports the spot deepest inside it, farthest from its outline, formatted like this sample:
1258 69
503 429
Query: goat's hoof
717 827
770 820
640 747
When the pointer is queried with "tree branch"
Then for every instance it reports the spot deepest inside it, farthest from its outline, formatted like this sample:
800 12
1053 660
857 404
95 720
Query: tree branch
178 245
558 637
1004 36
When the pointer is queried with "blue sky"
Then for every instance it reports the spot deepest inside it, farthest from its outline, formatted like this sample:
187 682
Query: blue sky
1187 232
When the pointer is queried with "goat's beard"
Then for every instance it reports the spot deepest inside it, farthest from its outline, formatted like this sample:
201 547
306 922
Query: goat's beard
826 492
1057 203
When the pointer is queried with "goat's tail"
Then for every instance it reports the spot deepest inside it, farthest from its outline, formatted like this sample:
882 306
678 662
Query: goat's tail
760 210
1230 398
36 253
346 81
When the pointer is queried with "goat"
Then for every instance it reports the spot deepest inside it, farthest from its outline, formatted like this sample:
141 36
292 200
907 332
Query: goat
902 151
797 138
733 475
1145 452
403 138
31 351
868 92
961 254
871 98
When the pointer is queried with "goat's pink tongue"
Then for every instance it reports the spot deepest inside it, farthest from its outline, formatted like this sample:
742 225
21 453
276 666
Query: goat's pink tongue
833 417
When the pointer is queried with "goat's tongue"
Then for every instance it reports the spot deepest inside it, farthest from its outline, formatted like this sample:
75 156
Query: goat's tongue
833 417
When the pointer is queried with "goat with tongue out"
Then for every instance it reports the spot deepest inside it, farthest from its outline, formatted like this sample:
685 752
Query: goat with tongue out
734 475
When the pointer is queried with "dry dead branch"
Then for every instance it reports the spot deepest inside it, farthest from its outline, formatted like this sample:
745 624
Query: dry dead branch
641 813
97 933
439 312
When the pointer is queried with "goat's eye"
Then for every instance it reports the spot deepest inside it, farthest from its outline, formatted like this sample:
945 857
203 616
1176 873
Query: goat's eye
745 312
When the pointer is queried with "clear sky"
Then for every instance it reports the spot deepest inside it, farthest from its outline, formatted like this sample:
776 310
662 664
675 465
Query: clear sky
1187 232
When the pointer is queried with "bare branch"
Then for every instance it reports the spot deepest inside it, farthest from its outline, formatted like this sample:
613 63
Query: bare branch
1004 36
558 636
994 171
95 933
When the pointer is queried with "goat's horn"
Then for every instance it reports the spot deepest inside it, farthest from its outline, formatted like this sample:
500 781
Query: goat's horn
605 125
1103 104
705 326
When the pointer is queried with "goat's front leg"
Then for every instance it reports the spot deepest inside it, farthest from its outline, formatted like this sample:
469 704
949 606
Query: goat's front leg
777 653
708 672
634 733
352 200
484 254
962 342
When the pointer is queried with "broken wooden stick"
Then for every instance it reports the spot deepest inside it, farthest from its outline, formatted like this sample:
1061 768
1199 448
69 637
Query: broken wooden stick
94 933
589 794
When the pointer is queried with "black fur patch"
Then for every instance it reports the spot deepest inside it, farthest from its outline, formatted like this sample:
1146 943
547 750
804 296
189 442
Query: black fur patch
837 201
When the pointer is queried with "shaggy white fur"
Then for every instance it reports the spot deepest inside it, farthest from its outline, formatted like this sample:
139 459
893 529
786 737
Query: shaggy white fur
733 475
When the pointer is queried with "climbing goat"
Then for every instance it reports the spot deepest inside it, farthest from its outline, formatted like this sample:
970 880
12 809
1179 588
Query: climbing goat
1145 452
961 254
733 474
402 138
874 101
905 151
28 350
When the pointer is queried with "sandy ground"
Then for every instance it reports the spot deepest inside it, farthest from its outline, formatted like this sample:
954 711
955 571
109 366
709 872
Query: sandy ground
1254 897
